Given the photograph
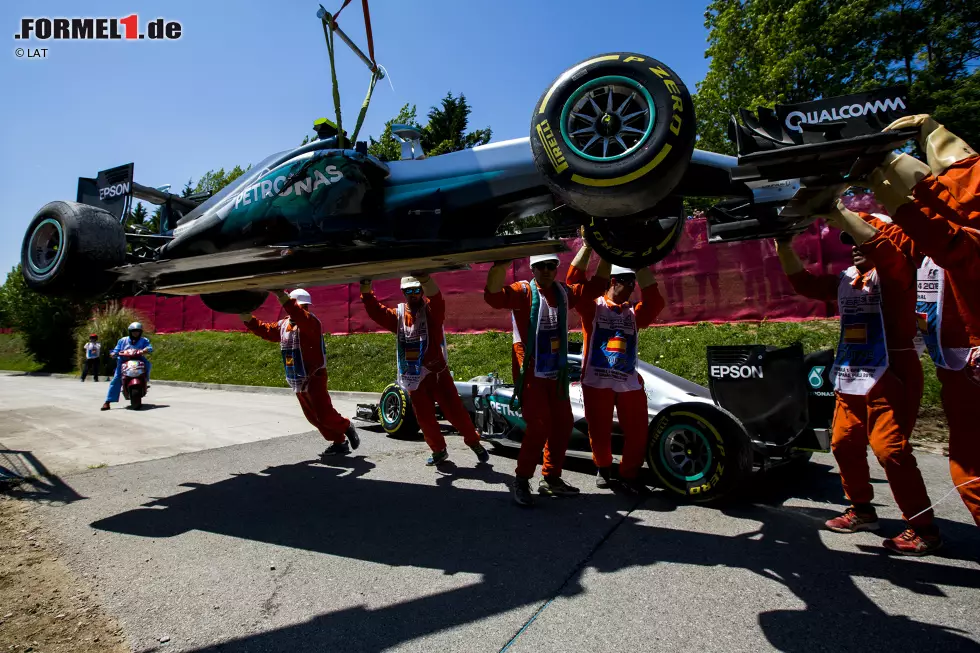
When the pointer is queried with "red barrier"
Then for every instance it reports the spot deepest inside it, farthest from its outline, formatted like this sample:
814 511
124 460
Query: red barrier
700 281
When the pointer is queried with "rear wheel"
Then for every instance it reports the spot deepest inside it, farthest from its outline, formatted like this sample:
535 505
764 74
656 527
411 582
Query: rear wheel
613 135
699 451
396 413
638 241
235 301
69 249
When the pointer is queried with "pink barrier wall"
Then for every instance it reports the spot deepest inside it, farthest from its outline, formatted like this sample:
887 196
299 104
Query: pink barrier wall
701 282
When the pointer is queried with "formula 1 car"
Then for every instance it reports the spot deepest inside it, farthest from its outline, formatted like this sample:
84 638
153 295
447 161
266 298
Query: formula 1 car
611 147
765 407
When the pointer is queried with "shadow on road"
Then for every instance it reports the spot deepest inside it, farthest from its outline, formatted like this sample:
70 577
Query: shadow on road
526 558
37 483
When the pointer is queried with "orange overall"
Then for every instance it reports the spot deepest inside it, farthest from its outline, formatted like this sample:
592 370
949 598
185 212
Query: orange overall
437 385
546 410
933 222
313 397
630 405
885 417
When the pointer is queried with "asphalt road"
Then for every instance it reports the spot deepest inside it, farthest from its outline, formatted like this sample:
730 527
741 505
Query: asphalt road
259 547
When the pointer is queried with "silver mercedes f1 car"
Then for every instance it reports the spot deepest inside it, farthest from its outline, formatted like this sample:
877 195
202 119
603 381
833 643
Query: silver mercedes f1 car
764 407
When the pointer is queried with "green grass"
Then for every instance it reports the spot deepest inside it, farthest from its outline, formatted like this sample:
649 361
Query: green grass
12 355
366 362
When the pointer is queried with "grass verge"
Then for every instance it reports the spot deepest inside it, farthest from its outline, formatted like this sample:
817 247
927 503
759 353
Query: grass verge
366 362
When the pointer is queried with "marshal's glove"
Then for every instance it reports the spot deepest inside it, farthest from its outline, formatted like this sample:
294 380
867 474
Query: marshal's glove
942 147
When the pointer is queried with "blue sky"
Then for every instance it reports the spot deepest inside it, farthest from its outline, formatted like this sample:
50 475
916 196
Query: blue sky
248 80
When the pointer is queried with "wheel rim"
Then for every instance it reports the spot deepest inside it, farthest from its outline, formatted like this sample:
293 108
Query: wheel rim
608 118
46 246
685 453
391 408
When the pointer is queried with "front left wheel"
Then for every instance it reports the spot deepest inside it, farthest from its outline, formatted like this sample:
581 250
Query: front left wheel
614 135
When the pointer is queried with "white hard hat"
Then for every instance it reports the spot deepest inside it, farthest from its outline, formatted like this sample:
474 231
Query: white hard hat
541 258
410 282
618 269
135 326
301 296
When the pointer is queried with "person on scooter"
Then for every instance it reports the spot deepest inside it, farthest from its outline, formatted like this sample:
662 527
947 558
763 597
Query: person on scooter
300 338
878 376
134 340
422 365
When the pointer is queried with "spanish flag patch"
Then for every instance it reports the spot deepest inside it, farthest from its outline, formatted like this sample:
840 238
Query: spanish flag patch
616 345
412 355
856 334
923 320
555 345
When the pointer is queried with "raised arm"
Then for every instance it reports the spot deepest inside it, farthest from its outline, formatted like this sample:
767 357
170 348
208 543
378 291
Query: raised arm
384 317
497 295
651 301
822 287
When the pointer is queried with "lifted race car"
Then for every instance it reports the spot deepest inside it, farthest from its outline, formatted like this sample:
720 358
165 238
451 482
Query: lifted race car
611 147
765 407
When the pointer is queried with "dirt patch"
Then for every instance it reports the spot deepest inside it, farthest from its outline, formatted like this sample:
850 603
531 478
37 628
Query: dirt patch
45 607
931 429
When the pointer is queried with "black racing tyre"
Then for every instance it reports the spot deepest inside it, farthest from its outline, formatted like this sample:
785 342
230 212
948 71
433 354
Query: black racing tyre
699 451
235 301
638 241
614 134
396 413
69 249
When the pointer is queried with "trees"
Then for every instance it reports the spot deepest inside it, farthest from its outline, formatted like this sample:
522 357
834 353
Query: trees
214 180
46 324
765 52
387 147
445 131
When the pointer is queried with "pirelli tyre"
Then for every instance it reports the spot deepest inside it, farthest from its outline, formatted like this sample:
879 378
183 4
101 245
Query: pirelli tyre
614 134
699 451
396 414
640 240
70 248
235 301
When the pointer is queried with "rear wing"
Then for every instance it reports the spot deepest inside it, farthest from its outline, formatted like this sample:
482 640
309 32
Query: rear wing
114 189
813 149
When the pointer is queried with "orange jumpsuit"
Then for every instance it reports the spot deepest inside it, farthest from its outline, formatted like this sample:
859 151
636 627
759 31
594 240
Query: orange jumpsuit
631 406
933 222
545 407
313 398
885 417
438 384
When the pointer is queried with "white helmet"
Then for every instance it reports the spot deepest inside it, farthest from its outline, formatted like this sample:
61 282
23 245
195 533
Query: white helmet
135 326
618 269
410 282
541 258
301 296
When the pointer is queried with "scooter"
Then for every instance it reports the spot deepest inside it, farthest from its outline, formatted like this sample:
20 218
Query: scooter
134 381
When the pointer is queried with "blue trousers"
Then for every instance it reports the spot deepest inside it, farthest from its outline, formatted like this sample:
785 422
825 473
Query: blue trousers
115 386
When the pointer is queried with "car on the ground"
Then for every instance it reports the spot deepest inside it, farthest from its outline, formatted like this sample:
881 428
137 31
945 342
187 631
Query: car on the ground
764 407
611 148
